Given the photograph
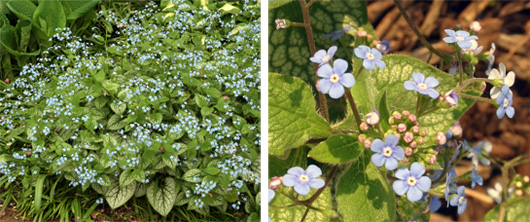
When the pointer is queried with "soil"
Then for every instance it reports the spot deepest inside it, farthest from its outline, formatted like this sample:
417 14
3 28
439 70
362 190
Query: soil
507 24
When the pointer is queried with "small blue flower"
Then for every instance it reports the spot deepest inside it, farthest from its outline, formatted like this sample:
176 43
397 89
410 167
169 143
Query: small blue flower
382 46
412 182
459 200
372 57
303 180
422 85
337 33
475 178
387 152
322 57
450 185
335 79
475 153
505 101
435 205
491 58
461 38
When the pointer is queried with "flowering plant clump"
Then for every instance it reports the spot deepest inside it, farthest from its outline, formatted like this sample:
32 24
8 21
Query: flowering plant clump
383 130
161 102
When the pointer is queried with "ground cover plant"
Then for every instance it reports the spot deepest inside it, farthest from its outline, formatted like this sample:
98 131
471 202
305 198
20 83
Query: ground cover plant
384 139
156 110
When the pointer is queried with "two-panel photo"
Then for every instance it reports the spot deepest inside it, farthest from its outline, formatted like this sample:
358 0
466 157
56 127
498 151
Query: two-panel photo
373 110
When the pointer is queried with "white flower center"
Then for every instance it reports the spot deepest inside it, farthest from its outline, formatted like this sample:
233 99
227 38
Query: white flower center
303 178
334 78
325 59
411 181
370 56
459 38
387 151
422 86
506 102
461 200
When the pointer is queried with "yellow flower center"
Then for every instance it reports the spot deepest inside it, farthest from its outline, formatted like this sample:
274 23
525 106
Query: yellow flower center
461 200
334 78
325 59
459 38
370 56
411 181
387 151
506 102
422 86
303 178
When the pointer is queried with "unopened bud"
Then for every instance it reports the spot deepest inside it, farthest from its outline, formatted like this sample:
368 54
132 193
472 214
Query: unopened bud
432 159
367 143
423 132
362 33
412 118
475 26
456 129
405 113
451 98
364 126
415 129
397 135
413 144
420 140
397 115
405 160
408 151
373 117
519 192
526 179
361 138
440 138
402 128
391 120
281 23
275 182
408 137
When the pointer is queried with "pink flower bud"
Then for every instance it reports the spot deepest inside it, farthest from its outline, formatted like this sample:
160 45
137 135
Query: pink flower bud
423 132
391 120
408 137
275 182
405 113
405 160
372 118
412 118
413 144
7 80
420 140
361 138
440 138
415 129
451 98
364 126
432 159
408 151
402 128
456 129
367 143
362 33
397 116
398 135
475 26
225 97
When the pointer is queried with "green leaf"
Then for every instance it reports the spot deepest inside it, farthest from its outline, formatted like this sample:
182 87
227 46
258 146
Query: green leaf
79 8
211 170
110 86
118 109
38 192
229 8
156 118
213 92
363 193
516 210
278 210
48 16
188 176
279 165
141 190
292 116
201 100
163 198
8 39
372 86
115 123
116 195
23 30
23 9
288 48
126 178
337 149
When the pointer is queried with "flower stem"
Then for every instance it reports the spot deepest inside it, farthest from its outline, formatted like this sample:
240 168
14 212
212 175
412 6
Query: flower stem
418 106
471 81
422 39
478 98
297 24
358 72
312 49
310 3
354 109
459 57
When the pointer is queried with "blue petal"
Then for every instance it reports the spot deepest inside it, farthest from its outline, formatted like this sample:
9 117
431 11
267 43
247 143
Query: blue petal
417 170
325 71
377 145
378 159
409 85
461 191
461 33
290 180
316 183
462 207
414 194
391 163
320 54
359 53
418 77
473 37
315 60
313 171
433 93
424 183
454 201
302 188
431 82
435 204
464 45
400 187
398 153
324 85
402 173
391 140
500 112
340 66
336 91
377 54
449 40
368 65
380 63
347 80
510 111
296 171
450 32
271 195
332 50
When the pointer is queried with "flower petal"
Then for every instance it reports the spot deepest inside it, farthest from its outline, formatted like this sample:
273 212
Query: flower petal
340 66
368 65
316 183
347 80
500 112
454 201
325 71
431 82
417 170
377 145
502 69
377 55
391 163
494 74
296 171
495 92
433 93
379 63
290 180
398 153
331 51
400 187
461 33
402 173
464 45
449 40
360 52
414 194
336 91
378 160
302 188
418 77
510 111
409 85
324 85
424 183
462 207
450 32
391 139
510 79
313 171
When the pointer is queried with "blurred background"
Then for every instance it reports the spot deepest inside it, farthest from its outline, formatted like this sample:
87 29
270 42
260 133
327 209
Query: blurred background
505 23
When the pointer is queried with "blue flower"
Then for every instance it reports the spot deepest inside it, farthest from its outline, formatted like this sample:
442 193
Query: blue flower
412 182
372 57
303 180
337 33
422 85
475 153
500 75
459 200
450 185
334 79
475 178
505 101
435 205
387 152
461 38
491 58
322 57
382 46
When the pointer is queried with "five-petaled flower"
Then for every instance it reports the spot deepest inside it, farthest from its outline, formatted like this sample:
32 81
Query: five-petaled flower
337 33
412 182
461 38
335 79
507 79
459 200
423 85
387 152
302 179
322 57
371 57
505 101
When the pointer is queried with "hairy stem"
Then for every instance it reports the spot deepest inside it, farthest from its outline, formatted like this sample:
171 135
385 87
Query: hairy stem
354 109
312 48
478 98
310 3
422 39
459 57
